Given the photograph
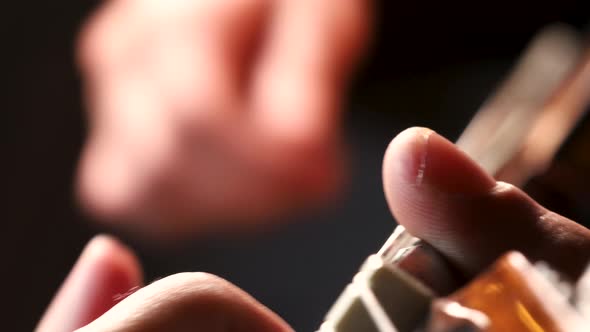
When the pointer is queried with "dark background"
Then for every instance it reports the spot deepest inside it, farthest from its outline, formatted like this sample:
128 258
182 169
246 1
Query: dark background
432 64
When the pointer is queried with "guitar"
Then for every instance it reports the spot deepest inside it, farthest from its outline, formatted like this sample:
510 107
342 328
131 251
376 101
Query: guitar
409 287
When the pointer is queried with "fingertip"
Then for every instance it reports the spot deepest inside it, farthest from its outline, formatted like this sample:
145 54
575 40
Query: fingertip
443 197
405 157
419 156
114 258
421 172
105 271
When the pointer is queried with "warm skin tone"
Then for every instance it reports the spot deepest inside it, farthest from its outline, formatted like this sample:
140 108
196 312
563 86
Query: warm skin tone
225 113
209 113
452 204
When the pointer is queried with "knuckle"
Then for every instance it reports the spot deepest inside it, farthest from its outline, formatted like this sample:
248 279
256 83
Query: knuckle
504 191
199 292
193 286
190 278
504 188
514 202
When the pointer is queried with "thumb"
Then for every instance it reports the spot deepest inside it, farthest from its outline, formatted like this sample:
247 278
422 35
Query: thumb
105 270
443 197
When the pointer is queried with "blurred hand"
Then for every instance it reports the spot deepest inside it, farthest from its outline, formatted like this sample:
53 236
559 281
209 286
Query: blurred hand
433 189
209 112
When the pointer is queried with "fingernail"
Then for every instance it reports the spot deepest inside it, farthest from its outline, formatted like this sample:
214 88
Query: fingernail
408 154
423 158
425 137
448 169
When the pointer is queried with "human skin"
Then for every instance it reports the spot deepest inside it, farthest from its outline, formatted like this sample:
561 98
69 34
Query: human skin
208 114
432 188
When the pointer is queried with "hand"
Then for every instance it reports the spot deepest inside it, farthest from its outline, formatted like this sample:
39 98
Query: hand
433 189
107 272
212 112
446 199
